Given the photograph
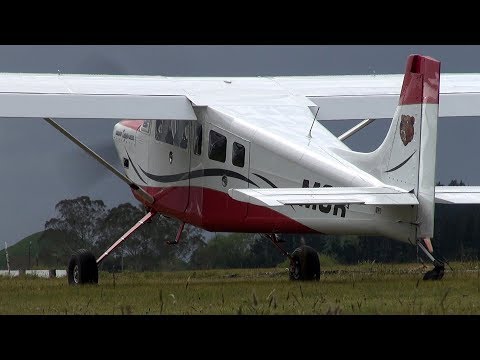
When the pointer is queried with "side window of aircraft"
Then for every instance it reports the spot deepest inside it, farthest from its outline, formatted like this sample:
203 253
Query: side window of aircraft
146 126
217 146
173 132
197 149
180 130
238 154
164 132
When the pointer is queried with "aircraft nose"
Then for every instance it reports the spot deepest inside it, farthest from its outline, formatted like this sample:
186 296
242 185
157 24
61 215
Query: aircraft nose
118 129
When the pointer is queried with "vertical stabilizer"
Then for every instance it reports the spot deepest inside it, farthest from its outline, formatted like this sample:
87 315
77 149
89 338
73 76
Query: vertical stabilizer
408 153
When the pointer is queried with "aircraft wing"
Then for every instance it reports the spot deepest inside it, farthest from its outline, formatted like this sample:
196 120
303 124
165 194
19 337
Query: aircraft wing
92 96
159 97
457 194
333 195
374 96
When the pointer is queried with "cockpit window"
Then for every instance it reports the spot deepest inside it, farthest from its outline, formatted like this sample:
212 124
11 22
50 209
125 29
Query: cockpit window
146 126
163 131
173 132
180 138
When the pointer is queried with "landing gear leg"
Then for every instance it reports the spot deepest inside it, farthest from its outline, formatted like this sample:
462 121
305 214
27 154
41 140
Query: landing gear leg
439 267
276 241
83 268
179 233
304 261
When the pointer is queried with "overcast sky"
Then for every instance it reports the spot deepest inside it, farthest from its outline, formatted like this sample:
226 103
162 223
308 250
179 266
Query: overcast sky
40 167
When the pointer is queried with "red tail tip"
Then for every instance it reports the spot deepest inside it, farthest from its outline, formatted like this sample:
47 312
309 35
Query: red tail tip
414 63
421 83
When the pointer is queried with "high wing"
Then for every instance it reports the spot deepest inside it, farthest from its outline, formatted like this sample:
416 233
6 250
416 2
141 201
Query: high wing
92 96
337 195
159 97
457 194
374 96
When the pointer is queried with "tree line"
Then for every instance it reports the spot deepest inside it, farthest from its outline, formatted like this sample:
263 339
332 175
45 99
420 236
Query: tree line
83 223
86 223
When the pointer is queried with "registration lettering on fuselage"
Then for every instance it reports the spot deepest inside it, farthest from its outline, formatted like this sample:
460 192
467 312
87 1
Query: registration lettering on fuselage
338 210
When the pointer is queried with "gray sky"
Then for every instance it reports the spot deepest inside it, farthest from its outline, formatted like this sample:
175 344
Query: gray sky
40 167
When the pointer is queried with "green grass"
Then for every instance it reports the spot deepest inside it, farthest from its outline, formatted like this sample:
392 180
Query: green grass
361 289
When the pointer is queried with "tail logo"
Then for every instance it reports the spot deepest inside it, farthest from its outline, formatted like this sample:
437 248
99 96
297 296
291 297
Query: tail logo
406 129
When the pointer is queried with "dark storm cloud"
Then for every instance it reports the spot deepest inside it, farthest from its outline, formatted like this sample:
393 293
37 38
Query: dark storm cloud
40 167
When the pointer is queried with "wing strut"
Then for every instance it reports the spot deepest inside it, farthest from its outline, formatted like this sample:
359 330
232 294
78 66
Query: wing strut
142 221
355 129
138 190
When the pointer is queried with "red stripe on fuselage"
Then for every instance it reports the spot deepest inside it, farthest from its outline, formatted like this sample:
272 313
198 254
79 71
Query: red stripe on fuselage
132 124
214 210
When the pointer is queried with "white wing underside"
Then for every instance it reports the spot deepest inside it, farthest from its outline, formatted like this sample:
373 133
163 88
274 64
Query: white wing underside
325 196
158 97
457 194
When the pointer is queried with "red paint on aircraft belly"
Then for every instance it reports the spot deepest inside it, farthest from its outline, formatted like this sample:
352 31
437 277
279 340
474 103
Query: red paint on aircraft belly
214 210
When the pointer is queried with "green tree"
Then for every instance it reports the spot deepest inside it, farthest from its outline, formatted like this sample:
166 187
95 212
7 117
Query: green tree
76 226
80 219
224 251
264 254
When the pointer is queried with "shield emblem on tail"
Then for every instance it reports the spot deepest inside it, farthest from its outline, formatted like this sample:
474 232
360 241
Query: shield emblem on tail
407 130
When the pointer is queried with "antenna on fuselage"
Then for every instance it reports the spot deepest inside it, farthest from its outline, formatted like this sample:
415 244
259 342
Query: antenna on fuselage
311 127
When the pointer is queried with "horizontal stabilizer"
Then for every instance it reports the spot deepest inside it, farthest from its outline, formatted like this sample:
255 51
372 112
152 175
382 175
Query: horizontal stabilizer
312 196
457 194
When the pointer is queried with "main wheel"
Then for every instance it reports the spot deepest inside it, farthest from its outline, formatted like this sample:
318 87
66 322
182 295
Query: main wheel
82 268
304 264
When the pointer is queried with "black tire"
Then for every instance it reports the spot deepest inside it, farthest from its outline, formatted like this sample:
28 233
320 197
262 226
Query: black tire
435 274
82 268
304 264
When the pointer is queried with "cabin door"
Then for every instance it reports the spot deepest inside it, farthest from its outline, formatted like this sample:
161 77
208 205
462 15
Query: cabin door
169 163
226 166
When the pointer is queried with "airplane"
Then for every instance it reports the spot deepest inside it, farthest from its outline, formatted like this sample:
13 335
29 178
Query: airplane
251 155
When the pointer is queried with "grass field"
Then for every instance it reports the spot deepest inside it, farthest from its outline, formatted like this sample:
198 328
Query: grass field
360 289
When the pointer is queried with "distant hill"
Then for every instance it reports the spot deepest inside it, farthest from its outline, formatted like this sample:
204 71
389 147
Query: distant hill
20 251
48 250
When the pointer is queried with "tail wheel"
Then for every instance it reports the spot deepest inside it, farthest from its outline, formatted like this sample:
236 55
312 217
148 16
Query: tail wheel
304 264
82 268
435 274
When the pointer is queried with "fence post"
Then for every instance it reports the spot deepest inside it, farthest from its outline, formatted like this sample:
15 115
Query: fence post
8 261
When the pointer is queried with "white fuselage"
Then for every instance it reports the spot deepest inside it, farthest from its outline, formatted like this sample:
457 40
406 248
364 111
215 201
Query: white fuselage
194 188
